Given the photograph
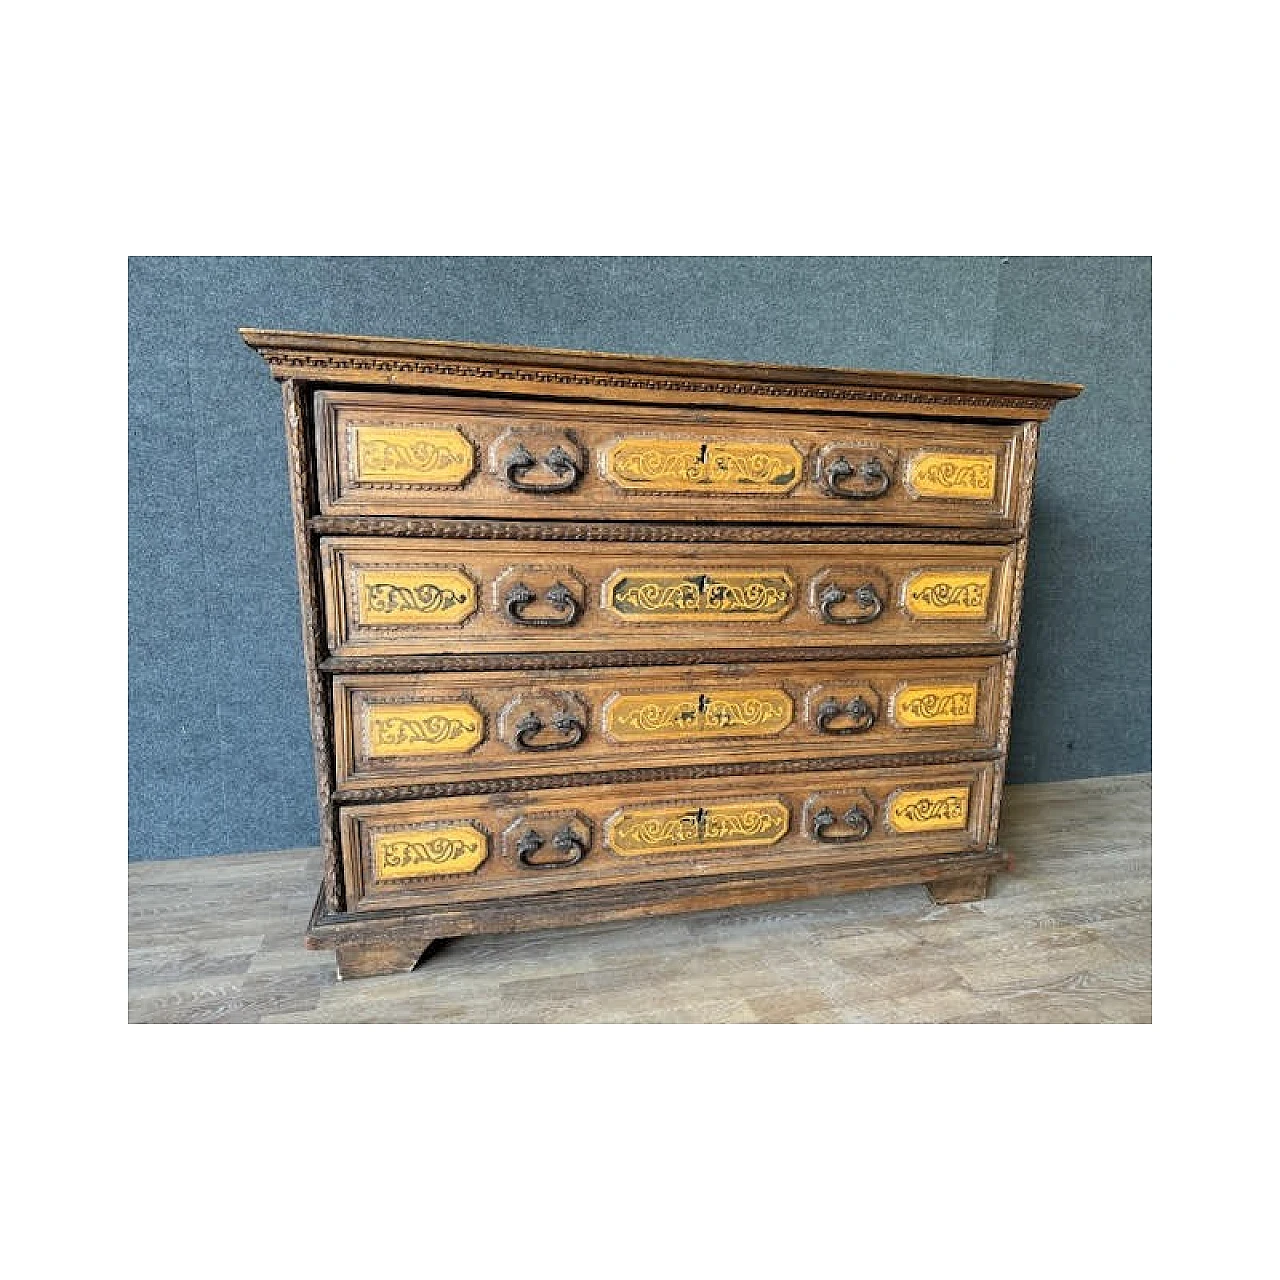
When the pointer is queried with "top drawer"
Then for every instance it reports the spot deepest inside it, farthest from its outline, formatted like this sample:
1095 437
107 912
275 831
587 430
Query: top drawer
426 455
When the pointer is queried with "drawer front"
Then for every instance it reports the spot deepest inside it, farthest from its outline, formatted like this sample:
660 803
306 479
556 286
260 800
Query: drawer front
422 596
405 730
467 849
388 454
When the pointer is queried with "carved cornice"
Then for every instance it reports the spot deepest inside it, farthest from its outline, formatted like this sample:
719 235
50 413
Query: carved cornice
600 375
297 365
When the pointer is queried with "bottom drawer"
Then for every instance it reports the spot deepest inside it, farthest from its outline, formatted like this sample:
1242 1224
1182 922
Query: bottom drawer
512 845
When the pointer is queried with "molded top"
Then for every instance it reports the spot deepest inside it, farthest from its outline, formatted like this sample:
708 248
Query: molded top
346 359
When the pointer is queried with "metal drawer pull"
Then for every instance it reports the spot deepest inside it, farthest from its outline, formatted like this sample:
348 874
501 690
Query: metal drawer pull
566 840
531 725
858 710
854 818
558 461
864 596
873 475
559 597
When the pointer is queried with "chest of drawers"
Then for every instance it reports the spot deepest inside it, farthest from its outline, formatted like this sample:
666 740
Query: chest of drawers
591 637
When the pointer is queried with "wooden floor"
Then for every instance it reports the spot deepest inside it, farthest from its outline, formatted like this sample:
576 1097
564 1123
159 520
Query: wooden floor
1065 937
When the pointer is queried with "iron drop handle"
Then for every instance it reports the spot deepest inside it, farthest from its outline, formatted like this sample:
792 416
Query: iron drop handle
858 823
531 725
858 709
566 841
558 461
873 475
520 597
864 596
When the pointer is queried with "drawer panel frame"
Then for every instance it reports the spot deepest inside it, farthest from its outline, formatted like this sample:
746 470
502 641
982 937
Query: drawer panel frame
462 729
701 459
499 818
805 597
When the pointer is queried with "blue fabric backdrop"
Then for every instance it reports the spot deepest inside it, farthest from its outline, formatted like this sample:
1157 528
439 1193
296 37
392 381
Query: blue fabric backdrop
219 754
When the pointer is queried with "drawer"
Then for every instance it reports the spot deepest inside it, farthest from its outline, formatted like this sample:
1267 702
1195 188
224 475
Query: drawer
423 596
469 849
404 454
406 730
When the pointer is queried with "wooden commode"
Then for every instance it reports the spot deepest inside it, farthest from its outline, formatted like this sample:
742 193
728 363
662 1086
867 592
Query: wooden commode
593 637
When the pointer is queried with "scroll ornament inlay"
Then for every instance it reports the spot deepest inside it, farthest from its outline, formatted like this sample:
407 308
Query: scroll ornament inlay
429 851
642 595
936 704
954 475
934 809
698 465
423 728
392 598
948 594
733 713
673 828
389 454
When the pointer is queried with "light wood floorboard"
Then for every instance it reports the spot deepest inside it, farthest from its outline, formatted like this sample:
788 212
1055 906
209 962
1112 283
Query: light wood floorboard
1064 938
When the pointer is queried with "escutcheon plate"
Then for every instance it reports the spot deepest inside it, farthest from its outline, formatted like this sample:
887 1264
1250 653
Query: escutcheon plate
729 713
654 595
696 466
693 828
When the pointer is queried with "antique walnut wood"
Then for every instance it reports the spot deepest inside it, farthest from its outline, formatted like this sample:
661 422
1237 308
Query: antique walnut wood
593 636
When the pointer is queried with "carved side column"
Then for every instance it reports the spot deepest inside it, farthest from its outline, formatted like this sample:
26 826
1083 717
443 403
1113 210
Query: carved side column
1026 480
302 485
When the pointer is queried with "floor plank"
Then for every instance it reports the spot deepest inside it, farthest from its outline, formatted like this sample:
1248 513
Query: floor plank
1064 938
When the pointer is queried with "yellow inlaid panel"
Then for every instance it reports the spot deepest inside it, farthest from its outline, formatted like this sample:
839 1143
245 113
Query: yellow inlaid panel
429 851
393 597
691 466
644 595
948 593
675 828
934 809
954 475
410 455
929 704
734 713
422 728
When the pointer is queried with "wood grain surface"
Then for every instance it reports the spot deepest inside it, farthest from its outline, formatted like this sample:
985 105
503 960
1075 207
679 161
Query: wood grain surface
418 597
1065 937
418 729
393 453
441 534
403 853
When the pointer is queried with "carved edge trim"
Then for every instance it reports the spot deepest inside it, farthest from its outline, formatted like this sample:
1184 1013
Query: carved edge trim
637 531
291 363
431 664
575 360
1026 482
301 483
550 782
